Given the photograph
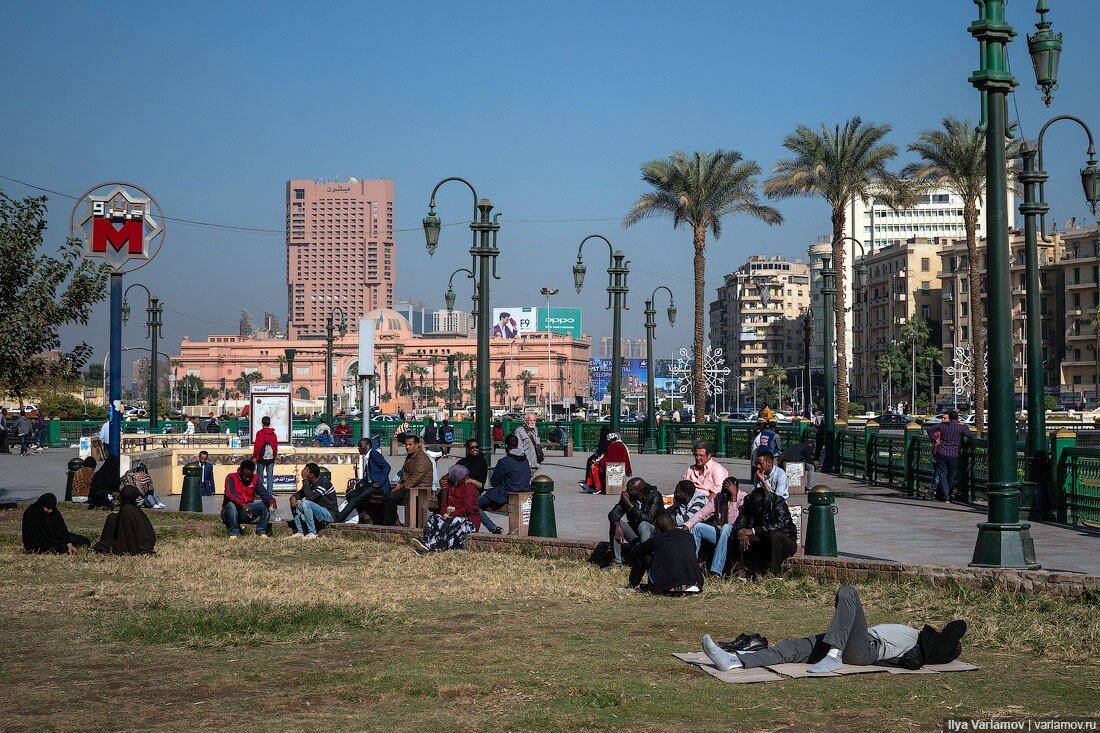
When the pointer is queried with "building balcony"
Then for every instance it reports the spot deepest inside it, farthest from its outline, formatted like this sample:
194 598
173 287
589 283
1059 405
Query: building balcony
1079 284
1086 334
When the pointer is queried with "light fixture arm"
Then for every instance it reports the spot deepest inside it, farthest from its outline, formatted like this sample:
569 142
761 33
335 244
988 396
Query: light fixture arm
1091 152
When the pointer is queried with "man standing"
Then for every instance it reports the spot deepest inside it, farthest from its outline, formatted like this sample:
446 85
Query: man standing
935 488
24 428
206 474
40 431
265 448
949 435
105 435
632 518
767 439
240 505
4 427
768 476
528 435
374 479
707 474
416 473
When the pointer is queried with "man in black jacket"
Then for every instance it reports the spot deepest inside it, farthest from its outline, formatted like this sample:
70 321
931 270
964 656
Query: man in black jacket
314 503
670 559
633 517
766 535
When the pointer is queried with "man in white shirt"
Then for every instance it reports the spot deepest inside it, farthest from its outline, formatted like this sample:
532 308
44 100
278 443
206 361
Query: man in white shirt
105 434
768 476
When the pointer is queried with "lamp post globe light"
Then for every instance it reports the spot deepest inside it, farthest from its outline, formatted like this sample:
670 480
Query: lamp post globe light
484 251
1034 207
1003 540
651 391
153 323
617 271
547 293
330 327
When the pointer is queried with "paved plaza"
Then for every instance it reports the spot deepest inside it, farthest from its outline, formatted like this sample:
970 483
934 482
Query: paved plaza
873 522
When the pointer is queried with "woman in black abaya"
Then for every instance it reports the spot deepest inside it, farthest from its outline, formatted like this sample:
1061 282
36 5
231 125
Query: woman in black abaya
44 529
127 532
104 484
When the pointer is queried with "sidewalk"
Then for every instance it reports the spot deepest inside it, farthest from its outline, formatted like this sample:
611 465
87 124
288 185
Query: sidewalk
872 522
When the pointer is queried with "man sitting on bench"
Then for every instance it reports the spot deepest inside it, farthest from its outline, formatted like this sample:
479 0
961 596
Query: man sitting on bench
313 504
847 641
374 472
417 472
511 475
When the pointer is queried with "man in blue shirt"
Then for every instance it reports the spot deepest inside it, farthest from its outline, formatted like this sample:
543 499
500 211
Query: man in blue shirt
949 437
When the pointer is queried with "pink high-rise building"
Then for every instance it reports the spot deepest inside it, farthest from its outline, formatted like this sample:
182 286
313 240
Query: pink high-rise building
339 251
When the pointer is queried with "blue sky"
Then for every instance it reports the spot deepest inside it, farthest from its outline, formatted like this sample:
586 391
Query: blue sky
548 108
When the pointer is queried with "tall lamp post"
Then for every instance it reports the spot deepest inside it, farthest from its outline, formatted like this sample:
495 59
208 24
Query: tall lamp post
1034 177
860 284
547 293
617 272
449 298
828 294
152 327
1003 540
651 391
330 327
484 251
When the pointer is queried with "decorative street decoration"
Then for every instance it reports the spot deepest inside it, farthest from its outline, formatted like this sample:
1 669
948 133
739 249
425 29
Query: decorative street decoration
715 371
960 371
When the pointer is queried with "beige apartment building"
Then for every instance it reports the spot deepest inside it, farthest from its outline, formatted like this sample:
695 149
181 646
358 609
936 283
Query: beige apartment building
1080 369
758 320
957 284
901 284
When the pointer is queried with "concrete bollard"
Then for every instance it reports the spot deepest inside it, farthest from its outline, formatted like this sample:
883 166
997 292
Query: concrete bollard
75 464
820 528
543 521
191 497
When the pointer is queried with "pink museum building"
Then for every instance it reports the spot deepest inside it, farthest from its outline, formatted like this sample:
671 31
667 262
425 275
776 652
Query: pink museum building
409 367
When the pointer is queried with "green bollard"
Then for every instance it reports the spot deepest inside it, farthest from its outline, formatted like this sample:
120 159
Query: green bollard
543 523
75 464
820 529
191 498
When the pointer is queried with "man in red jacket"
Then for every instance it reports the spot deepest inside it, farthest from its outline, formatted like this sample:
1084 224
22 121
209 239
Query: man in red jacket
264 450
240 505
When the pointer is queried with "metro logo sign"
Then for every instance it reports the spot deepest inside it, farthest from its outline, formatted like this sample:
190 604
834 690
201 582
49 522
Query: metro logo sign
128 237
117 225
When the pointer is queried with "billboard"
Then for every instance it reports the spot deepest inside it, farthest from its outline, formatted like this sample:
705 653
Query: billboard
560 320
508 323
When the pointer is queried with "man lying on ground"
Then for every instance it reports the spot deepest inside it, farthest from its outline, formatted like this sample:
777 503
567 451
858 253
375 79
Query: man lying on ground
848 641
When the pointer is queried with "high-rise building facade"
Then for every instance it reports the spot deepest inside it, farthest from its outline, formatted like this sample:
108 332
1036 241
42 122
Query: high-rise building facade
758 320
1080 372
631 348
458 322
340 251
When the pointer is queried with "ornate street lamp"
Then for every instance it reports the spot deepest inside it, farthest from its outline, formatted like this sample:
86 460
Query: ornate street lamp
484 251
651 366
617 272
1046 49
449 297
828 292
1034 206
329 339
153 325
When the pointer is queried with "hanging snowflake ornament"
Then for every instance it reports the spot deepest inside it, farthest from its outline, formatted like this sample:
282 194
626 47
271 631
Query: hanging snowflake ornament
715 371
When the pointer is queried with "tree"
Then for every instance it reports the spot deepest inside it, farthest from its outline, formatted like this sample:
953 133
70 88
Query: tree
838 165
698 190
191 387
775 389
433 362
39 294
243 383
385 360
500 389
954 158
526 377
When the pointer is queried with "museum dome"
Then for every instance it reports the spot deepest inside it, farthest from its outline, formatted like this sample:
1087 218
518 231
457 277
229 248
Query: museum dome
387 320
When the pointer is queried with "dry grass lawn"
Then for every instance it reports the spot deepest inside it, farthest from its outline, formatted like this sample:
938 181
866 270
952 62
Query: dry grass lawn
283 635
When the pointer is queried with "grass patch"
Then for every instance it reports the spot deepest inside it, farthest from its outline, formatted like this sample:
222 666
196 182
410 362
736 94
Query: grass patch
249 624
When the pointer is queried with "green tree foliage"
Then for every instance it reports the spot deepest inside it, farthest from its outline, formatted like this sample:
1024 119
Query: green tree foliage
243 384
62 406
697 191
39 294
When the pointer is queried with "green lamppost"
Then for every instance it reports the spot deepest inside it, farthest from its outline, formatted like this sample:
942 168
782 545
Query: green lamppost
828 296
1034 177
484 251
617 272
289 355
330 327
857 287
449 298
1003 540
651 365
152 326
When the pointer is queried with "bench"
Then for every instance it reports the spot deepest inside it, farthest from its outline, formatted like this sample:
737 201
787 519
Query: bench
396 447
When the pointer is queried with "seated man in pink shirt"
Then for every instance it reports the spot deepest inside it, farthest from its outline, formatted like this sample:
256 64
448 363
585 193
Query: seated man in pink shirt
706 474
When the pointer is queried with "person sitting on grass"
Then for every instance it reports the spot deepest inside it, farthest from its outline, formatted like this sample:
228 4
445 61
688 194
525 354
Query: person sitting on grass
45 532
313 504
239 503
766 535
82 480
849 641
633 516
714 523
511 475
670 558
458 515
127 531
686 501
103 492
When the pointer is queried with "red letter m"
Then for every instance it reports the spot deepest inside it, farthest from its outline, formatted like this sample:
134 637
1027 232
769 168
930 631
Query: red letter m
130 236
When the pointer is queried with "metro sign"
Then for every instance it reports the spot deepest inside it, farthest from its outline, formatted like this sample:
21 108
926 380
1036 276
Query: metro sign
118 227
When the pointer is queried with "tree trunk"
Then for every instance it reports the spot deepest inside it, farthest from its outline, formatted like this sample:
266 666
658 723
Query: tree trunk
700 264
977 318
841 267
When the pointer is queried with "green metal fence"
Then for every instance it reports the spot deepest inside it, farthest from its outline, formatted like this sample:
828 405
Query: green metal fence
1079 470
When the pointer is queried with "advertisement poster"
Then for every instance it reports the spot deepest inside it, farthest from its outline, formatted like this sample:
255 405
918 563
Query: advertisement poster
509 323
566 321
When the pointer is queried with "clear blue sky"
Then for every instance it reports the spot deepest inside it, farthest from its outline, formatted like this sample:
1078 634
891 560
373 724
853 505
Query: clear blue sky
549 108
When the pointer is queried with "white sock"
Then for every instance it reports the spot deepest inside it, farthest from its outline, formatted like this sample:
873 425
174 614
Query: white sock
834 653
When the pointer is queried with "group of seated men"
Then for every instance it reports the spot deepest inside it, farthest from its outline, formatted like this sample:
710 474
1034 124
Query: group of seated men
747 533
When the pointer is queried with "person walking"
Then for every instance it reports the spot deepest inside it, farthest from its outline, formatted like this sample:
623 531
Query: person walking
24 429
5 426
528 435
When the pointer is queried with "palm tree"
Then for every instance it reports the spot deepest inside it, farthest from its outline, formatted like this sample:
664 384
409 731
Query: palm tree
839 164
698 190
433 362
954 158
526 377
243 383
500 389
386 360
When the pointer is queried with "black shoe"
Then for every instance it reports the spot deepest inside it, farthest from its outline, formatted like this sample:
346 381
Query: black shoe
746 643
497 530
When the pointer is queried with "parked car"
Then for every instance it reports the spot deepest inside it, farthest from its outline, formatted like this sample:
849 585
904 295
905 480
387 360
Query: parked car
385 418
892 419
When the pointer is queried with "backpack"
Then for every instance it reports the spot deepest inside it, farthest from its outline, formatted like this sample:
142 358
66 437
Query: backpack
449 435
539 455
268 453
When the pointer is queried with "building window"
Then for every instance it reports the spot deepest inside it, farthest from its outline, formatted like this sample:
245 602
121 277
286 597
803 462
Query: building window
924 264
299 193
